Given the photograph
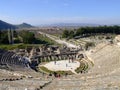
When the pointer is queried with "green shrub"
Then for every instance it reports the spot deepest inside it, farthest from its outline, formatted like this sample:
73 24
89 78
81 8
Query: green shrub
89 44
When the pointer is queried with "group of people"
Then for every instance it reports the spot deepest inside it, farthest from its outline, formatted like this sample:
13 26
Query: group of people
70 60
55 75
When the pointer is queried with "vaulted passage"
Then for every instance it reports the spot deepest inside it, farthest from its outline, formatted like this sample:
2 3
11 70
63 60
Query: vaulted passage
56 57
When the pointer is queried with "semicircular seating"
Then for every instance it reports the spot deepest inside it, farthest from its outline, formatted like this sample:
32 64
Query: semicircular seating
12 59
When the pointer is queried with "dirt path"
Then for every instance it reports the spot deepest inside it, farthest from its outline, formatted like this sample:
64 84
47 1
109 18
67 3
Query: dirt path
56 39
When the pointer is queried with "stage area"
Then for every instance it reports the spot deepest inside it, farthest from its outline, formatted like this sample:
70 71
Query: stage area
63 65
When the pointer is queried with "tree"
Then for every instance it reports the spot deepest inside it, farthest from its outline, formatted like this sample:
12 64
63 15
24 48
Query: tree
89 44
3 37
65 34
71 34
97 30
27 37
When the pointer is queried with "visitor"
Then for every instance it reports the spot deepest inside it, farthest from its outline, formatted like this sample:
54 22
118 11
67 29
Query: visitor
81 72
59 75
72 60
55 62
66 64
66 74
69 59
43 73
55 74
50 74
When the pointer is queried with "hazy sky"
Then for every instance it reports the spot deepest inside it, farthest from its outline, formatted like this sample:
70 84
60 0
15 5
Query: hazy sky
58 11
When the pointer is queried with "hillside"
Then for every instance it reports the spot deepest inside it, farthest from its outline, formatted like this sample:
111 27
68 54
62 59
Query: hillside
5 25
24 25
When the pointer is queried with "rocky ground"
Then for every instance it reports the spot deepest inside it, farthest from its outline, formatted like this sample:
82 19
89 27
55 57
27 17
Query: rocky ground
22 80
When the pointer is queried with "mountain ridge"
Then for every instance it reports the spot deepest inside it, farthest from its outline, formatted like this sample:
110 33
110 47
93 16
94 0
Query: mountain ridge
5 25
24 25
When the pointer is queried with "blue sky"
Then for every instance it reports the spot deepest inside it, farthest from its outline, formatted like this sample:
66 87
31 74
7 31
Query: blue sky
60 11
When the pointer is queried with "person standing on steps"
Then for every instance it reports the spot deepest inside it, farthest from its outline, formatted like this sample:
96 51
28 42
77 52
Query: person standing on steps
55 62
66 64
66 74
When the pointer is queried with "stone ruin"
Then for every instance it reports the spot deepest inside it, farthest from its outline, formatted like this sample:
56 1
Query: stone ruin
10 60
32 52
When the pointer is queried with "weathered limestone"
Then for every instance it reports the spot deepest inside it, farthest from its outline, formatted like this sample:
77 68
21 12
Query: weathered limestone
11 59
